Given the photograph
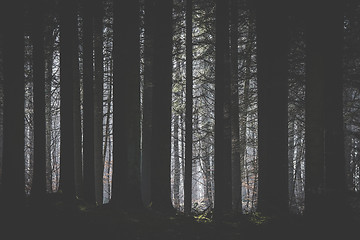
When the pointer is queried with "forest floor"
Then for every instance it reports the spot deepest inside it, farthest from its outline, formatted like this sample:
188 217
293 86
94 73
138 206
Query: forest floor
104 222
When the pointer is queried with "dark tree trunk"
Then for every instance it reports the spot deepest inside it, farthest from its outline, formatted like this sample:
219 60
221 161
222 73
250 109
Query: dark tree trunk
223 189
235 131
13 180
126 53
98 100
325 160
188 110
88 120
147 103
68 20
161 128
272 42
38 189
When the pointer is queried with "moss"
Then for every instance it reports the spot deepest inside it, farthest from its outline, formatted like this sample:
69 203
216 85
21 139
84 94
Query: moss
258 218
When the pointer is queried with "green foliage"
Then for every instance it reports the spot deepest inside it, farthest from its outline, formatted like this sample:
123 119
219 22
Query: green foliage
203 218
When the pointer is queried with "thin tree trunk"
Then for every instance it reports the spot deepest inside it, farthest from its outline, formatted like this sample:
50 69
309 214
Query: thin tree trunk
49 45
88 120
223 189
38 189
235 132
98 101
78 160
188 110
176 186
67 48
147 103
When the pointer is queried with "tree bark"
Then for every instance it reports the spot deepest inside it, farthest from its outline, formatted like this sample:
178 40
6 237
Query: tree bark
272 42
38 189
176 186
188 110
235 131
13 182
126 54
88 120
68 26
161 128
325 161
147 103
98 101
223 189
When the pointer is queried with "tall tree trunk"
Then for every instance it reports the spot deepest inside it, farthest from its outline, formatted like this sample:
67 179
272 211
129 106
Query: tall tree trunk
147 103
38 189
176 186
235 132
188 110
49 51
98 100
223 191
67 48
245 105
107 144
13 69
161 124
126 54
325 160
78 154
88 120
1 104
272 42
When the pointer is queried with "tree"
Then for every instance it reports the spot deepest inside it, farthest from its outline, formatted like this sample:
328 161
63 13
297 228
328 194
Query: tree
49 61
147 102
223 189
88 125
78 140
235 132
13 181
189 110
325 160
38 189
98 100
161 108
68 18
126 54
272 42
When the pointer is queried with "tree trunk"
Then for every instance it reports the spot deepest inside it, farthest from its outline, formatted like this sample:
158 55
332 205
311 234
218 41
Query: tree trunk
147 103
67 48
38 189
126 54
188 111
235 132
223 189
272 42
325 160
78 154
176 186
88 120
161 127
13 69
49 45
98 100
